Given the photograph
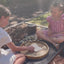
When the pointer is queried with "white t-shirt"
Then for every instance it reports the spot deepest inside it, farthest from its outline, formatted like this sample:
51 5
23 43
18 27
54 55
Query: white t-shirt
4 37
5 57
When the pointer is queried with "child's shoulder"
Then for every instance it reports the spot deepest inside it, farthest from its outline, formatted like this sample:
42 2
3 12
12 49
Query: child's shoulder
1 29
62 16
49 18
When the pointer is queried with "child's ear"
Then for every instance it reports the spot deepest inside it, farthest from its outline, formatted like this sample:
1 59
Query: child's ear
2 17
61 12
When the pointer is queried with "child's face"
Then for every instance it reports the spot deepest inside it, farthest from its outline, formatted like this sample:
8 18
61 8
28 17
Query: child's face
55 12
4 21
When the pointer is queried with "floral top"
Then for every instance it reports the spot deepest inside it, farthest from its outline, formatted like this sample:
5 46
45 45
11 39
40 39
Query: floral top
56 26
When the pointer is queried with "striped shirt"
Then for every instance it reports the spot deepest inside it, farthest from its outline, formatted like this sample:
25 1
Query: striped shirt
56 26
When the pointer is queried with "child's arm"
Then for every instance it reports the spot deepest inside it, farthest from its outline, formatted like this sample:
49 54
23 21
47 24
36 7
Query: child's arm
49 30
15 48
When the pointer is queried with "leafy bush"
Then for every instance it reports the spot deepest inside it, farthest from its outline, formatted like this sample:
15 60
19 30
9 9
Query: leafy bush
41 20
4 2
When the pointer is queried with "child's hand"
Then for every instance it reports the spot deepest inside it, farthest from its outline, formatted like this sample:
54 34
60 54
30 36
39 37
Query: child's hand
31 48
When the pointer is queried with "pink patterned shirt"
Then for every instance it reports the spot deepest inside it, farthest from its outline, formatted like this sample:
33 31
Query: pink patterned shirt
56 26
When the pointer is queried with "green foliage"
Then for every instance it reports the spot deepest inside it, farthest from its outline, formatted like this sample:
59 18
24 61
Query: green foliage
4 2
41 20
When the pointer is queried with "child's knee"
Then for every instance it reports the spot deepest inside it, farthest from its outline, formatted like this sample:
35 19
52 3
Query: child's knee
38 32
20 58
24 57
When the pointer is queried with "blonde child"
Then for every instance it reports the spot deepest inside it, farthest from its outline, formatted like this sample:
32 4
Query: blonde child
9 58
55 32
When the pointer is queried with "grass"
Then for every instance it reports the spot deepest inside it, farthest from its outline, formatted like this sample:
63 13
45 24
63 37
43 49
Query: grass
41 20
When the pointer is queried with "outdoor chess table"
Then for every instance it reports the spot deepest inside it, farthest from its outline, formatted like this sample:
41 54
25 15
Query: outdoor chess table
48 58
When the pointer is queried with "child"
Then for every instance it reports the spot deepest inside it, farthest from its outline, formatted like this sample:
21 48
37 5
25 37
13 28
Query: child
9 58
55 32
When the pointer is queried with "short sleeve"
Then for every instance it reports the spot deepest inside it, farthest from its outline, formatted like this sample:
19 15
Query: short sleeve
48 19
62 16
4 37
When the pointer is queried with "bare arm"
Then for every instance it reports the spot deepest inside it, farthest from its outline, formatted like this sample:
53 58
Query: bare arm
15 48
49 30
